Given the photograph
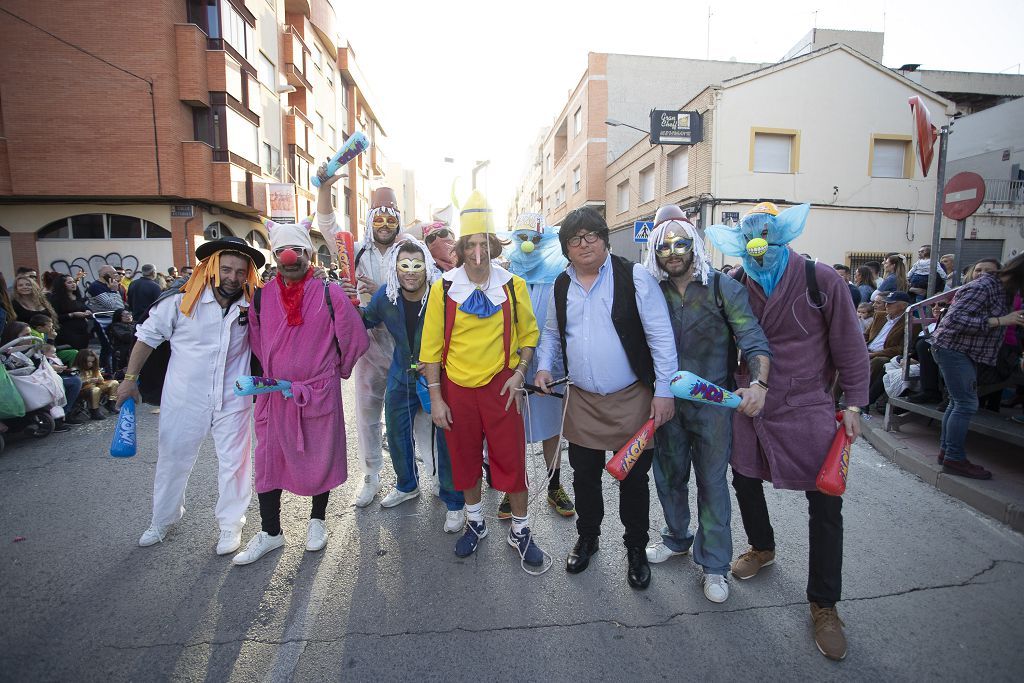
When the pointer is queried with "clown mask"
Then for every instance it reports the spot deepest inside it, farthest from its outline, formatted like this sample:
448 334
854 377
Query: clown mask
526 240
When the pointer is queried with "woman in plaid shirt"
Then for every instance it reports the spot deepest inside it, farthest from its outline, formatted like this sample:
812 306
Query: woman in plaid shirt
971 332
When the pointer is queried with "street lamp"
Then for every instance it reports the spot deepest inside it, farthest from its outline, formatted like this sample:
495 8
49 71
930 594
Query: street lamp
616 122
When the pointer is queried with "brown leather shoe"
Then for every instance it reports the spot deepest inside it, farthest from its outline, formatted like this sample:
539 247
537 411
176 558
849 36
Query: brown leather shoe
828 632
750 563
963 468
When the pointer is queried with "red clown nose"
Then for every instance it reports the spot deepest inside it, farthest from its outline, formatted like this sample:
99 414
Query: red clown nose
287 257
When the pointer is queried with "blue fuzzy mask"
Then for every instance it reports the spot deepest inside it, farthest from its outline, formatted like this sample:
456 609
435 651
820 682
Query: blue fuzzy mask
540 266
778 231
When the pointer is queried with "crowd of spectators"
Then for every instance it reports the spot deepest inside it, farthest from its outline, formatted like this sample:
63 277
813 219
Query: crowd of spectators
970 356
87 327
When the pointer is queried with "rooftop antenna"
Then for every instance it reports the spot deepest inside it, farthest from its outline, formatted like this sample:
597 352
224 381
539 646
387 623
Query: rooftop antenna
707 52
814 13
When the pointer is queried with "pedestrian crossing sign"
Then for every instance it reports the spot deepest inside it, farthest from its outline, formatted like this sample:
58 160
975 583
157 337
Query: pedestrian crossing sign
641 229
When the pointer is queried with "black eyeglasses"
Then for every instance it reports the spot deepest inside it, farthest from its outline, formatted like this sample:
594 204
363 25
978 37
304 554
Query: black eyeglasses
444 233
588 237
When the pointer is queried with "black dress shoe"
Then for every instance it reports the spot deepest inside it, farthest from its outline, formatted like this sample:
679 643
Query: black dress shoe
924 397
579 558
639 574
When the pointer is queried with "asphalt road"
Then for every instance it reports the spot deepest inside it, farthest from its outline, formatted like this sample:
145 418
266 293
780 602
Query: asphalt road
933 589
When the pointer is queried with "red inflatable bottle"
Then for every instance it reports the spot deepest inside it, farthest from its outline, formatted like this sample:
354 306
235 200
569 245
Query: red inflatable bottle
832 476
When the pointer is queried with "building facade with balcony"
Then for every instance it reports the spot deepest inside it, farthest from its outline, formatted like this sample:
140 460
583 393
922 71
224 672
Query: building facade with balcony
177 122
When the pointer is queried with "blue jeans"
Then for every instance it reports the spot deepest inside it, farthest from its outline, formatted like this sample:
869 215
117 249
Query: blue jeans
702 440
961 377
401 405
72 387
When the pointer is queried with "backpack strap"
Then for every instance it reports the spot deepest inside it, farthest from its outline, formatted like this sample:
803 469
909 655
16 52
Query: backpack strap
510 290
256 301
812 283
359 255
449 320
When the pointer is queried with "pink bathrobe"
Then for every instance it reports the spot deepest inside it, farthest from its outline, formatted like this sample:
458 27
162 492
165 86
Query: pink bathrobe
300 442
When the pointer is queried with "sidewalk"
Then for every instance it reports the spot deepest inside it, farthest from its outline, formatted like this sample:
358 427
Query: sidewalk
915 447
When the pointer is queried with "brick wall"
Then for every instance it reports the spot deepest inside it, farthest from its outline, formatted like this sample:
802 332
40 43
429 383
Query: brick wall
69 113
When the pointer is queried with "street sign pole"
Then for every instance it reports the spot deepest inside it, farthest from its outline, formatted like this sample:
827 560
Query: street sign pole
940 185
961 226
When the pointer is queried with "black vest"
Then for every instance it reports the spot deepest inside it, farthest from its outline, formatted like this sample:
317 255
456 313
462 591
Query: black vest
625 318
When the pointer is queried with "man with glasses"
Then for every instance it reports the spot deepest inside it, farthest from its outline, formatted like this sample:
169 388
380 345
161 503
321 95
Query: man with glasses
305 331
609 324
371 371
708 310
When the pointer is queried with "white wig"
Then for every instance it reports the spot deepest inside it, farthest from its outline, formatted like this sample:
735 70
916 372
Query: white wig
701 262
392 286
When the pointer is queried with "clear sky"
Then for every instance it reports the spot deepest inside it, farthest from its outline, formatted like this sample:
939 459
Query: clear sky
476 80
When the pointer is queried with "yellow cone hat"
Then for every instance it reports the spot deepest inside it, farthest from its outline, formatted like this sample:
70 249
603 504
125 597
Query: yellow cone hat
476 217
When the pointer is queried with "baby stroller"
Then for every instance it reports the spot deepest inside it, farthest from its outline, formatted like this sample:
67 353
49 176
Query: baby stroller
39 386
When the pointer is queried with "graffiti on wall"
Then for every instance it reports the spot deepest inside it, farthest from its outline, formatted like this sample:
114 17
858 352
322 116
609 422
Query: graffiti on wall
92 264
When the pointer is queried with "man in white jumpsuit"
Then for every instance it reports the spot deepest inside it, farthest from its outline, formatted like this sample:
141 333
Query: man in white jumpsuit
206 325
371 370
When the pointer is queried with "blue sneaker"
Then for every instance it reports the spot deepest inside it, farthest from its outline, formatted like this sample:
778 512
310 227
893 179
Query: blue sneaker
466 545
528 550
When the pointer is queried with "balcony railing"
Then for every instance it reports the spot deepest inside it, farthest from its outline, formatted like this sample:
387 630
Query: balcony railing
1004 191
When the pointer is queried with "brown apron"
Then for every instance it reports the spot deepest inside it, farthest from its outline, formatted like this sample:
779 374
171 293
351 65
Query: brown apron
606 422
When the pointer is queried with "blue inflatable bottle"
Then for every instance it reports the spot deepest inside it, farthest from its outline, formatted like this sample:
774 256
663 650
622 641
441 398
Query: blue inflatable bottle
123 443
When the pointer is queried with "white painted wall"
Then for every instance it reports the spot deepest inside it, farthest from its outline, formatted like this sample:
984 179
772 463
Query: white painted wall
68 255
836 101
637 84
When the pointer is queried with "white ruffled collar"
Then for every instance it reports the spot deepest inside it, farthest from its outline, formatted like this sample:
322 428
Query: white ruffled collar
462 287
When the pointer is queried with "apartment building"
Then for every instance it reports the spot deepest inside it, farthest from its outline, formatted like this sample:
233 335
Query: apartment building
530 190
830 127
623 88
173 123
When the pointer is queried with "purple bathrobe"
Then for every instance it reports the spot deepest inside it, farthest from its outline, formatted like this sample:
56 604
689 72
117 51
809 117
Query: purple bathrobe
300 442
787 443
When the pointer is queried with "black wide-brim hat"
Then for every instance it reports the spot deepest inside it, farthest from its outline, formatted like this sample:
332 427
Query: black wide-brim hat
207 249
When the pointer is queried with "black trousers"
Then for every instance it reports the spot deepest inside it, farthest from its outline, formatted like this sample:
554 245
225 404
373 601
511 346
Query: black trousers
634 495
270 509
825 565
929 368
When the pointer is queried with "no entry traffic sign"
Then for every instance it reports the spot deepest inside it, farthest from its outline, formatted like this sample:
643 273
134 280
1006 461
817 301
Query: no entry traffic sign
963 195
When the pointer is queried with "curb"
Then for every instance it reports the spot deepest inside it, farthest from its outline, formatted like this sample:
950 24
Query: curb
1006 510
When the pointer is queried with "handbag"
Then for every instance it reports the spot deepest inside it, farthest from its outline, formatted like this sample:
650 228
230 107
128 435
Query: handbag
41 389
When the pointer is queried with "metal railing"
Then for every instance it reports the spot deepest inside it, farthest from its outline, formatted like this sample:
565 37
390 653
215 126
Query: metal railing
1004 191
920 315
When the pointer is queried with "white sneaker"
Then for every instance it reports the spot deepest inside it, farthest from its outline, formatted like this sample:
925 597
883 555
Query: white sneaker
454 520
258 546
316 535
154 534
371 487
229 541
716 587
659 552
397 497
